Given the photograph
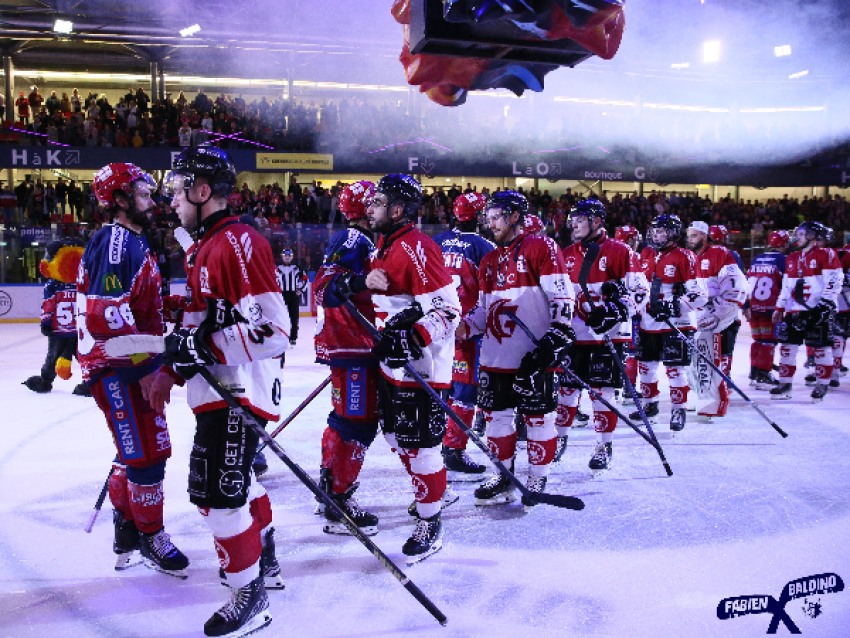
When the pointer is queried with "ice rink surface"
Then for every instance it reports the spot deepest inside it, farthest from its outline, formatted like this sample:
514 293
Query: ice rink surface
745 513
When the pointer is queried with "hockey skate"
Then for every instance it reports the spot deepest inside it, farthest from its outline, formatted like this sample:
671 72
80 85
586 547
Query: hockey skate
843 371
325 484
811 380
269 567
496 491
819 392
601 459
534 484
479 425
426 540
678 416
366 521
82 390
246 612
651 411
834 383
765 381
581 419
460 468
781 392
161 555
38 384
628 399
260 465
126 541
560 449
449 497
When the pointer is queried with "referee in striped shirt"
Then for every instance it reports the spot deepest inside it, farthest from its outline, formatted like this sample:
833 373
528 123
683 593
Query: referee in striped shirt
292 281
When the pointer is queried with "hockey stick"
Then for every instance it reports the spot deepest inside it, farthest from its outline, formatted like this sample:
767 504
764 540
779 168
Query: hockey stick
382 558
584 385
726 378
583 276
297 411
99 503
558 500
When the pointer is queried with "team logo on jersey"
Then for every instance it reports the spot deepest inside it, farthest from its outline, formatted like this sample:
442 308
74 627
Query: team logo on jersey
205 280
704 264
247 248
812 263
670 270
603 263
571 263
501 328
111 283
521 265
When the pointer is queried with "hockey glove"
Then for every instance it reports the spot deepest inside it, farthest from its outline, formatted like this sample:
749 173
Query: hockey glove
606 316
346 286
399 343
665 309
821 314
527 378
185 349
553 345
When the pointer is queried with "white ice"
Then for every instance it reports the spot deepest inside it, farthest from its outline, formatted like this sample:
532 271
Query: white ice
745 512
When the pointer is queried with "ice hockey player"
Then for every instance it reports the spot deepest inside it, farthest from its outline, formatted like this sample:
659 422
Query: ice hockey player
764 282
236 322
345 345
674 294
292 281
718 320
463 249
805 310
525 275
417 309
59 266
630 236
618 290
842 319
118 293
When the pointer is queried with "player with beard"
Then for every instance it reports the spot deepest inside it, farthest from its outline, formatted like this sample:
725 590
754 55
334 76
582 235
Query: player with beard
525 275
619 291
805 310
237 325
417 310
118 293
718 321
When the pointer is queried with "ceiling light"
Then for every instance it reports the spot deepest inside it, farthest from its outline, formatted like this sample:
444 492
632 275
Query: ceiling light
794 76
711 51
682 65
190 30
782 51
63 26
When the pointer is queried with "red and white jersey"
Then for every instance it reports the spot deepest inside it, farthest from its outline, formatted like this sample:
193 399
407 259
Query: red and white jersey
528 277
416 272
674 270
230 273
615 262
722 280
816 274
59 309
844 296
118 293
764 281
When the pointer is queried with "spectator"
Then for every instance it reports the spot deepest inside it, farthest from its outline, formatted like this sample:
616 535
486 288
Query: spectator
52 103
8 203
76 102
23 105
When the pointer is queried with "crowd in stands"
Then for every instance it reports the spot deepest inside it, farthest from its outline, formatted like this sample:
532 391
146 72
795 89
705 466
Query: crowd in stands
138 121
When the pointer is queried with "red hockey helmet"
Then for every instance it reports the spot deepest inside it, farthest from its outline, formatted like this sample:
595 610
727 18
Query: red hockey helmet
468 205
118 177
779 239
718 234
352 201
532 225
627 233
